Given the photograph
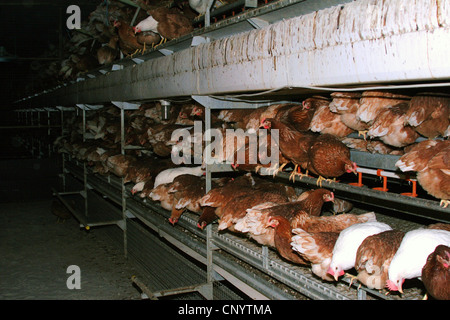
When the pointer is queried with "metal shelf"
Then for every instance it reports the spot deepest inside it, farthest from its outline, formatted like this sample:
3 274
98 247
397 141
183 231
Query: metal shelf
241 249
429 209
191 240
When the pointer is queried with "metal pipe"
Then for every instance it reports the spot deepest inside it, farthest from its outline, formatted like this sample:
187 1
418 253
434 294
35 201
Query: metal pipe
30 127
165 109
80 218
123 191
144 288
415 206
383 173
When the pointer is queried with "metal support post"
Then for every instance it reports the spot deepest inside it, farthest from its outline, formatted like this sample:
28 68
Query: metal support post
85 168
124 200
209 243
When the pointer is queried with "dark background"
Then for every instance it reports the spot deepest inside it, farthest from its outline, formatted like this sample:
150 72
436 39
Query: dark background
30 32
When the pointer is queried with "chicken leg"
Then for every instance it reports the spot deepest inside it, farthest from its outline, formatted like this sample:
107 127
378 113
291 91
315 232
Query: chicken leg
320 179
444 203
363 133
136 52
296 172
163 40
276 171
352 278
275 168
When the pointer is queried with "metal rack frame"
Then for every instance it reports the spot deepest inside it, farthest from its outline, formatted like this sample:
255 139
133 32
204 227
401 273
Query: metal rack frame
241 249
139 79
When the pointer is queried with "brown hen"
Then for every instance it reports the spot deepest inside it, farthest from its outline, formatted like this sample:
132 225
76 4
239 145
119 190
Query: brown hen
171 23
317 248
256 223
127 39
218 197
294 145
327 122
108 53
328 158
347 104
374 256
436 273
330 223
299 116
429 114
389 126
431 160
372 102
283 238
188 189
237 207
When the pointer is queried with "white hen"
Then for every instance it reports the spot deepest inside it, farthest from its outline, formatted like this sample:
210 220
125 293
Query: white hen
148 24
347 244
167 176
202 5
412 255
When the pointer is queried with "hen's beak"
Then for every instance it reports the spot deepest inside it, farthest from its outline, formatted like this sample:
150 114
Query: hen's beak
334 274
355 168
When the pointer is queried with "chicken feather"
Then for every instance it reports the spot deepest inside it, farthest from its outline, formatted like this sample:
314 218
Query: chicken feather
344 252
389 126
374 256
429 114
316 247
412 254
431 160
436 275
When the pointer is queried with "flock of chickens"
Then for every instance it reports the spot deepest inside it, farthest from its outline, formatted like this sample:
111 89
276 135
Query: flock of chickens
112 32
312 137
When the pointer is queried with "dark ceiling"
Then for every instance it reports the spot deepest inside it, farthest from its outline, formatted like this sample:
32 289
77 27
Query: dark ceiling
30 31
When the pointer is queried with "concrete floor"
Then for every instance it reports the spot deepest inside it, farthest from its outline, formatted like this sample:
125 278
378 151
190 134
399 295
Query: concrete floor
36 250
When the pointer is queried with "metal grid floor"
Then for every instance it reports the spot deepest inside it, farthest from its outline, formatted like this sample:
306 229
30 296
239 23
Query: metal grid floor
164 267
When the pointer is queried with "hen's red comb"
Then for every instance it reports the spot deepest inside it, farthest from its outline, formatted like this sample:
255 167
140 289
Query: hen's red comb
391 285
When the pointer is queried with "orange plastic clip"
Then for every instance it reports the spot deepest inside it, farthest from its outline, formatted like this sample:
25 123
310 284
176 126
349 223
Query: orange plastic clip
384 188
414 188
359 183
